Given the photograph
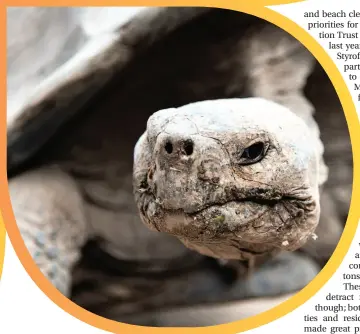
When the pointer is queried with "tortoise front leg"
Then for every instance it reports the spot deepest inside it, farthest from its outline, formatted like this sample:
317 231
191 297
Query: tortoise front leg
49 211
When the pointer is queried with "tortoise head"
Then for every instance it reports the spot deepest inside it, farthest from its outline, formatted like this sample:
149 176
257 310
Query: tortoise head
230 178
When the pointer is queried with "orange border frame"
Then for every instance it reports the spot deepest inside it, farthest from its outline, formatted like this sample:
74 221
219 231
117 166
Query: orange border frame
255 8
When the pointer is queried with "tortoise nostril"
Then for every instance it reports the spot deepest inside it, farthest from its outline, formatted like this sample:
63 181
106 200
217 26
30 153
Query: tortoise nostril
188 147
168 147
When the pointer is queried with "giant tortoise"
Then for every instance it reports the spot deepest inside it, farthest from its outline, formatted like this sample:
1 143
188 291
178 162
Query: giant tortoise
165 158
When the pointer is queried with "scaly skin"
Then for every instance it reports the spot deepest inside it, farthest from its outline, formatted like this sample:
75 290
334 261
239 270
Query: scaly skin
49 210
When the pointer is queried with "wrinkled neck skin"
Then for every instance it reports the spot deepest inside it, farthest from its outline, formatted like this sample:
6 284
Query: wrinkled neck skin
192 178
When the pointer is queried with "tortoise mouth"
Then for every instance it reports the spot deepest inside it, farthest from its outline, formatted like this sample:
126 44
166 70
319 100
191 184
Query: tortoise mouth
237 229
237 202
252 222
233 230
215 221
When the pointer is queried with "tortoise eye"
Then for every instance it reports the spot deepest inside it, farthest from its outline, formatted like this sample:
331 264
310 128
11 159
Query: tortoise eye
253 153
